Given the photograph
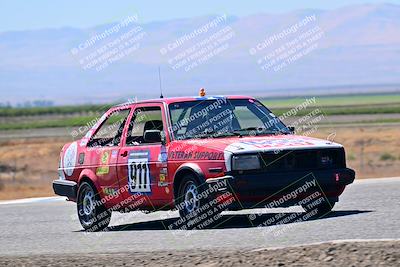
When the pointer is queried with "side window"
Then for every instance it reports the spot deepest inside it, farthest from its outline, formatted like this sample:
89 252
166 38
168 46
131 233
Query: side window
143 119
110 132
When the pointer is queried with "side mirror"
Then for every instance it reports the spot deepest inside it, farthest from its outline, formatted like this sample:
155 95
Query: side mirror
292 129
152 136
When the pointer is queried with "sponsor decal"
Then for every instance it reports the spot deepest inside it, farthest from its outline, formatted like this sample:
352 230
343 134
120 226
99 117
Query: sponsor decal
114 154
69 160
277 143
162 182
110 191
281 143
103 170
104 160
162 177
183 155
164 170
105 157
220 97
139 172
163 157
81 158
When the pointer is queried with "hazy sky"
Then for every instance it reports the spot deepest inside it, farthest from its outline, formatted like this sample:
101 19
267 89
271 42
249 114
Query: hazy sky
22 15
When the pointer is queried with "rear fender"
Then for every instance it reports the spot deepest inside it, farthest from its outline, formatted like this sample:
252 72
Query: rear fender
89 174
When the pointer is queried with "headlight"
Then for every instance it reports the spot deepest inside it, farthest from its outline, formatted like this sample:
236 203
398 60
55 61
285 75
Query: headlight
245 162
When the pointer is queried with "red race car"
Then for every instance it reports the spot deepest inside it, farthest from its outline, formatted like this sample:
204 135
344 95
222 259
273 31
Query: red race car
200 155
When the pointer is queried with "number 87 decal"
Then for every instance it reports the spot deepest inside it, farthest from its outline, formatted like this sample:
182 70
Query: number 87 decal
139 173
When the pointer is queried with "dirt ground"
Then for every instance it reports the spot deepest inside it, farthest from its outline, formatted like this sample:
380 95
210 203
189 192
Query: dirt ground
28 165
330 254
373 151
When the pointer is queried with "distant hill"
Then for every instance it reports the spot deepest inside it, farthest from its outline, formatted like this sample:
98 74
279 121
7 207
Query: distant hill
359 50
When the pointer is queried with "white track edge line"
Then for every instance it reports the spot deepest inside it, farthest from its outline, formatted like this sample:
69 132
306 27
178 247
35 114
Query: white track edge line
339 241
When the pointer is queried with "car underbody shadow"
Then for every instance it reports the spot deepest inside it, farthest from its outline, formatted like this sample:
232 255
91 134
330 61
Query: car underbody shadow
230 221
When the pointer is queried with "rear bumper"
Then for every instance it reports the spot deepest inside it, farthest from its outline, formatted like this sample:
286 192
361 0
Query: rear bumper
258 189
65 188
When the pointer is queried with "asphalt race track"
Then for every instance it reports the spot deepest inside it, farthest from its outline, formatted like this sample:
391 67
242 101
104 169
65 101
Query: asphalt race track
368 209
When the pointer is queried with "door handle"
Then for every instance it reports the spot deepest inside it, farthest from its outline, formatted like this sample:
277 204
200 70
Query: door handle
124 154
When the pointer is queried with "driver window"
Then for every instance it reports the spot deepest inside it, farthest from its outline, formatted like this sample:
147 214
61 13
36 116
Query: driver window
110 132
144 119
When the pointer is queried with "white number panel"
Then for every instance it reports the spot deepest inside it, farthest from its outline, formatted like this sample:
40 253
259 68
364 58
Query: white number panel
139 173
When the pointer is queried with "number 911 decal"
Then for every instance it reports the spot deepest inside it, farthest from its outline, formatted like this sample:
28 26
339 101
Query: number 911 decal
139 172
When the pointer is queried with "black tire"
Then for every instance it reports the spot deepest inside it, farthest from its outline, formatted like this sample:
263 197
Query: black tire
322 209
205 213
185 206
191 206
92 215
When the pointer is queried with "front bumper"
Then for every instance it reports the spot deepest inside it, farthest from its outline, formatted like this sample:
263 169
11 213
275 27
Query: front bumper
65 188
260 188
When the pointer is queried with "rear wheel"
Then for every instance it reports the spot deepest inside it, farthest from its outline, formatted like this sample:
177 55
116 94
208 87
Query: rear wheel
92 214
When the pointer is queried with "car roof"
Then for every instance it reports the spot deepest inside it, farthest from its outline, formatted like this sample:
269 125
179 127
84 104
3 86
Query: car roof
170 100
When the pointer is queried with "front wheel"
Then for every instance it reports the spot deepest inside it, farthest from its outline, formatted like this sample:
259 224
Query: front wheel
197 207
188 197
92 214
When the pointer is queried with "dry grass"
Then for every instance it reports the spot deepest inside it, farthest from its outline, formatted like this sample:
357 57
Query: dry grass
368 147
28 166
26 190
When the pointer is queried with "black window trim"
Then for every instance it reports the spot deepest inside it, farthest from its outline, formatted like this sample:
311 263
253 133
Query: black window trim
110 113
133 117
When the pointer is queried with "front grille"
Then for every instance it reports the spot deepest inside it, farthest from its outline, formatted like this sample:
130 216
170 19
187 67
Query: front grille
301 160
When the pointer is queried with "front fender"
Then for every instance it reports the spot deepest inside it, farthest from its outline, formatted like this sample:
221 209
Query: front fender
194 168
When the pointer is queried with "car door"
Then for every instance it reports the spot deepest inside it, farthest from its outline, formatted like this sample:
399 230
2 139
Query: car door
102 152
142 164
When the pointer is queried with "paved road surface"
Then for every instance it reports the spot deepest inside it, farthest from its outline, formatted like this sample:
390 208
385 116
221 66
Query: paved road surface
368 209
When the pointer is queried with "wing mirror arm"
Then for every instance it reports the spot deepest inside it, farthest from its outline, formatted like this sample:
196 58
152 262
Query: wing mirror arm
163 138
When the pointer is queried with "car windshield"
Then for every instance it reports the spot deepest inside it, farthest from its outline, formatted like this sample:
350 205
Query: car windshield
222 117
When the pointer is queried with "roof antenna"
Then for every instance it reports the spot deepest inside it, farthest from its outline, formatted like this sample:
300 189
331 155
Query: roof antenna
159 77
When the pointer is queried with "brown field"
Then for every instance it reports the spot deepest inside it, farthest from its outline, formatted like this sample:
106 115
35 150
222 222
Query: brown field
28 165
373 151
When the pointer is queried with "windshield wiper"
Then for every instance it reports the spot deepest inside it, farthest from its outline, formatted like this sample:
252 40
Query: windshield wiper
226 134
257 130
214 135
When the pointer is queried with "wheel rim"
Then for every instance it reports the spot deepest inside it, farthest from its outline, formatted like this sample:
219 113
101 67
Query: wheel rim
88 203
88 209
192 202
